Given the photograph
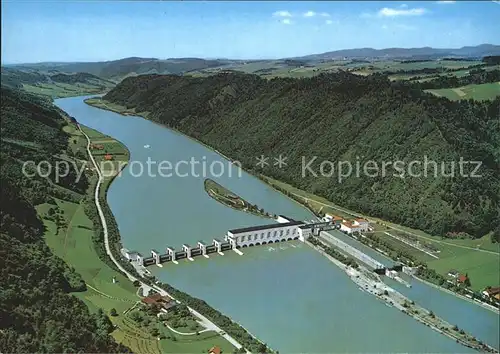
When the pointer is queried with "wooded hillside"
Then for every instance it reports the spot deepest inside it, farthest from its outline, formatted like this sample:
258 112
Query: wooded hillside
340 117
37 313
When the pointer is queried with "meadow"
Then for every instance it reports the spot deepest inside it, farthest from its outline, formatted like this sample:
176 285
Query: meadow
69 234
479 258
478 92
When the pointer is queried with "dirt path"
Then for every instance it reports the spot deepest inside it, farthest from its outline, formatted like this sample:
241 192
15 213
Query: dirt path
108 296
103 141
459 92
69 227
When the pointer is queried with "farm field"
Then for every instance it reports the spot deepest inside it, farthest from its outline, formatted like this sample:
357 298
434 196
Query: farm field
478 258
477 92
59 90
69 233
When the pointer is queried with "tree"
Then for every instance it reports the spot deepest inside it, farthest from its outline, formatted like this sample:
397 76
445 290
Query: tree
467 281
113 312
137 283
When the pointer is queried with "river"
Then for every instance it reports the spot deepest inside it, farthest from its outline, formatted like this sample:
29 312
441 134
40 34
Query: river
288 295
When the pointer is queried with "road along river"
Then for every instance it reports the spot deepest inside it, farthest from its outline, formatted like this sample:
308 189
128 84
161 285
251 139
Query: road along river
288 295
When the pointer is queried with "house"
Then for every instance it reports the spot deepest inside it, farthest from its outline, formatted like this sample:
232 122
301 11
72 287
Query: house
333 218
215 350
453 274
108 157
357 225
490 292
164 303
462 279
130 255
97 146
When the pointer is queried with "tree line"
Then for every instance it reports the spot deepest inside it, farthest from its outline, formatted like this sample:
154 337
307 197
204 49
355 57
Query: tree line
343 117
37 310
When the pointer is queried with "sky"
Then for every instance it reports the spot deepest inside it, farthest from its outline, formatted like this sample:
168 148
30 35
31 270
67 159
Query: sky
65 30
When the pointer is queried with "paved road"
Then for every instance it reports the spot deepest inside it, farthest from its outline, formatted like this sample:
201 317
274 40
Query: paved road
123 270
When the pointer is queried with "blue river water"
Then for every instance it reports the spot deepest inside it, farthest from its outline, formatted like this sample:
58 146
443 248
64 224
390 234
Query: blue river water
288 295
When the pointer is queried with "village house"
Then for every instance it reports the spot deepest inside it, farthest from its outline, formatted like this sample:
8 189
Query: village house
492 293
108 157
356 225
164 303
453 274
333 218
215 350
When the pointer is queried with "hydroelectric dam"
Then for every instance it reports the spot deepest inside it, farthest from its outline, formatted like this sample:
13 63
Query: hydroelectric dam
237 239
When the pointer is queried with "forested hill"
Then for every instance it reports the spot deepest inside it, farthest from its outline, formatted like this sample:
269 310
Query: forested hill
339 117
36 310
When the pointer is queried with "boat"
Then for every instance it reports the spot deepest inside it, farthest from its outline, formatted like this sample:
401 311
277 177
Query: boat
147 146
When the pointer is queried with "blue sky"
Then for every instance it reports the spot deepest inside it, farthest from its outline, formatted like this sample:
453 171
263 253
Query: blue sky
35 31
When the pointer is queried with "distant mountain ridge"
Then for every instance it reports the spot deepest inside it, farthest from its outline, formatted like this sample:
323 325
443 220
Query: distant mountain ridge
117 69
397 53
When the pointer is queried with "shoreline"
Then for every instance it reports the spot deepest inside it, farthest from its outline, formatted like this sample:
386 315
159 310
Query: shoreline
354 276
217 197
223 333
264 179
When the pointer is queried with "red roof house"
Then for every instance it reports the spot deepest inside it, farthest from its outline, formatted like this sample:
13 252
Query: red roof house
215 350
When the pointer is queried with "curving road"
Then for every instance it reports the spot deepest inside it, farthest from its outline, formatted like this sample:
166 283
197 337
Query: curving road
209 324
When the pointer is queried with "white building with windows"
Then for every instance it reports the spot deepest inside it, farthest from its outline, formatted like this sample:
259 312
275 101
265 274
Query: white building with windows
264 234
356 225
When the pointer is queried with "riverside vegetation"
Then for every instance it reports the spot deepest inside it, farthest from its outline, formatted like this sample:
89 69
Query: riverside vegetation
339 117
228 198
66 290
38 313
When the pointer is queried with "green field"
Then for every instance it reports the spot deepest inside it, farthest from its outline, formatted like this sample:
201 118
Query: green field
58 90
477 92
478 258
69 234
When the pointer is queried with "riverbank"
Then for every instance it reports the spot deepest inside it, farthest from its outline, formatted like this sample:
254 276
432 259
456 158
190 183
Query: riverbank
371 283
294 194
81 245
231 200
225 327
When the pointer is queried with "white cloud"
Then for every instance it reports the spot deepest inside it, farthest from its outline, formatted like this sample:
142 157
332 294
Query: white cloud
282 14
403 6
324 14
388 12
496 2
309 14
445 2
328 22
286 21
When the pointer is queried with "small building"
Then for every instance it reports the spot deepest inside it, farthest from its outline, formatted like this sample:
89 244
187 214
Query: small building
132 256
333 218
490 292
215 350
462 279
108 157
97 146
356 225
453 273
164 303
